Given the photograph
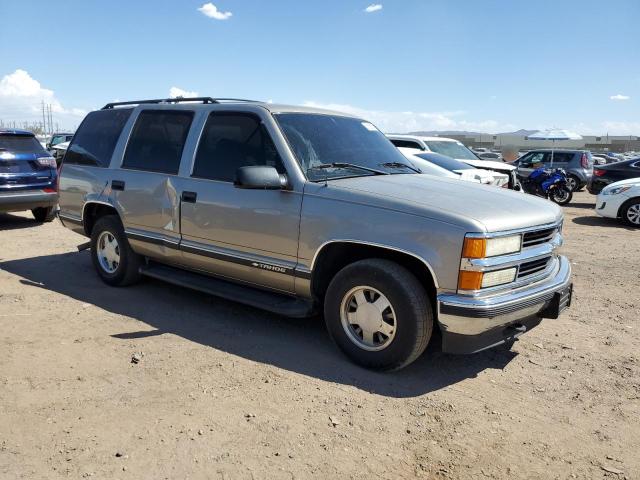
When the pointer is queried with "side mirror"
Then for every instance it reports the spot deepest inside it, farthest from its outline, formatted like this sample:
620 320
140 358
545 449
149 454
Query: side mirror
260 177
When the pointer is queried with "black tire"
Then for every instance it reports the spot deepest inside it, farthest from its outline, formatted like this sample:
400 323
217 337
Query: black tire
44 214
626 209
413 312
127 270
561 195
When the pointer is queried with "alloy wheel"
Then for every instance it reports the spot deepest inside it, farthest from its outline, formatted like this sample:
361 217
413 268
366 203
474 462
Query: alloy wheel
633 213
108 252
368 318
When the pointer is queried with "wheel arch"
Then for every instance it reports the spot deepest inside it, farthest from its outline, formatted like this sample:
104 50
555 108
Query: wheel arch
334 255
625 204
93 210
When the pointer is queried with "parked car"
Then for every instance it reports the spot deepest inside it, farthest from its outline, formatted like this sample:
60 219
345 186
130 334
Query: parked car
58 138
28 176
604 175
441 165
578 164
58 152
604 158
621 200
298 210
455 149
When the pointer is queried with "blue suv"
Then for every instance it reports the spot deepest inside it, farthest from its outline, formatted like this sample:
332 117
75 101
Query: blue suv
28 175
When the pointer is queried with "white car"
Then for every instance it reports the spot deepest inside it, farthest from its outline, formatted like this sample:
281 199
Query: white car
621 200
443 166
454 149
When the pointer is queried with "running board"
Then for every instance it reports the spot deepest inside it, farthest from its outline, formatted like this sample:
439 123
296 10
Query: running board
273 302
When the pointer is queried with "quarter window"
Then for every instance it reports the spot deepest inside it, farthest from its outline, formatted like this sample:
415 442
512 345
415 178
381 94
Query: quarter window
157 141
561 157
95 140
230 141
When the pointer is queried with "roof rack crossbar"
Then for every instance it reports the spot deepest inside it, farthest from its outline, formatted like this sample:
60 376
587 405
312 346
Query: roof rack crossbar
204 100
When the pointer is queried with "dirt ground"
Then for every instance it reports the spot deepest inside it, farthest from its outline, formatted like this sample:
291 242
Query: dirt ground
224 391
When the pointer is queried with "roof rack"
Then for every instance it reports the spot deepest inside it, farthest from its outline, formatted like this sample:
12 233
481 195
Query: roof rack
203 100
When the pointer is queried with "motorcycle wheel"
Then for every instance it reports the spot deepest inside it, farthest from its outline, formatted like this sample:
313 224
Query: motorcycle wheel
561 195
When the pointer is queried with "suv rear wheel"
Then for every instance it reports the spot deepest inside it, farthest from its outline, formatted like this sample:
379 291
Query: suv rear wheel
378 314
44 214
573 183
116 263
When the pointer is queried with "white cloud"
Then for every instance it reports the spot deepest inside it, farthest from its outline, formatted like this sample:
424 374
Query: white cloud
211 11
21 98
619 97
179 92
374 7
402 122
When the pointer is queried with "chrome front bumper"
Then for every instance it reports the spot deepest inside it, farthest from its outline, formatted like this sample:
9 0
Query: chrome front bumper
470 324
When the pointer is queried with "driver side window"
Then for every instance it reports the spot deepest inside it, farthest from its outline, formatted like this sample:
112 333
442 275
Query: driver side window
533 159
232 140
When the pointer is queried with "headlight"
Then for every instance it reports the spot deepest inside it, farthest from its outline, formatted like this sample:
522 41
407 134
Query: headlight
491 247
472 280
616 190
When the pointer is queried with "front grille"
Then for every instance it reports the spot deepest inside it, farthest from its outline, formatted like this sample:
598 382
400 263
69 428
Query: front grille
534 266
538 237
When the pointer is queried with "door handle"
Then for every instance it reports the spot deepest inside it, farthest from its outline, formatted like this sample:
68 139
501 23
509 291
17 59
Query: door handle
189 197
117 185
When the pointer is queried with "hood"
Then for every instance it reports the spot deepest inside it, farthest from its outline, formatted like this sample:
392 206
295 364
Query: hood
621 183
471 205
61 146
489 164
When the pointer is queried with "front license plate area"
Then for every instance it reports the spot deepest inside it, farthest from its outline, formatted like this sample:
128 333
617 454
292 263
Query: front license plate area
561 300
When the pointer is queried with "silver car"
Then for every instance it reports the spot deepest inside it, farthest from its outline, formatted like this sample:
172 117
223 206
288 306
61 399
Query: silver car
302 211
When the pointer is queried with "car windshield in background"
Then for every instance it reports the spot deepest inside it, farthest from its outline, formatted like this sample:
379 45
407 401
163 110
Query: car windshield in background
319 140
451 149
445 162
20 144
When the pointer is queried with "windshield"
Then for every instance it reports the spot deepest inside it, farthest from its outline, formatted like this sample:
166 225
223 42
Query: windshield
320 140
445 162
451 149
20 144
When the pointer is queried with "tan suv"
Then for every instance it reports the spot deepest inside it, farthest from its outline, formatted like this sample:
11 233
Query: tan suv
299 210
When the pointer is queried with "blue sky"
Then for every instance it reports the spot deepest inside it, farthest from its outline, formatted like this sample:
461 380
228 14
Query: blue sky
491 65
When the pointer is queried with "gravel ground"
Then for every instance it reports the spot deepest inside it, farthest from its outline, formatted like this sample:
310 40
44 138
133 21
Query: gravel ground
224 391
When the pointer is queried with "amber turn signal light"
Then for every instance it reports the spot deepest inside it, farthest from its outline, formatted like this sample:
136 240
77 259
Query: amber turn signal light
469 280
474 247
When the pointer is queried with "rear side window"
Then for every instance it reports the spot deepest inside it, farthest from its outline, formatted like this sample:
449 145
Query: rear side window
563 157
233 140
20 144
157 141
406 144
95 140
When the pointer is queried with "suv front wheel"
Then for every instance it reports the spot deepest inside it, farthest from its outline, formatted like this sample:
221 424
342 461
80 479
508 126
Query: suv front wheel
378 314
114 260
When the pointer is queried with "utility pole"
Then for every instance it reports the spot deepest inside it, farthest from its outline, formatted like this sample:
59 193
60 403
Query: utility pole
44 123
50 121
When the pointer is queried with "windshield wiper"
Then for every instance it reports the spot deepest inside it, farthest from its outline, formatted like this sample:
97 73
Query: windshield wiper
399 165
324 166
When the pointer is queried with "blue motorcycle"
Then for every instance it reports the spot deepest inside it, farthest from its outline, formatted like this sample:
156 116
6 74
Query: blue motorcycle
550 184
